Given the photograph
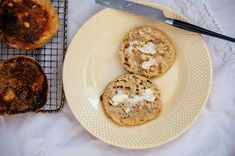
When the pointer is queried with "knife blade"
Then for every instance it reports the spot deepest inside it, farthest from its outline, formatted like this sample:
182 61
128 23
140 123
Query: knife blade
135 8
157 14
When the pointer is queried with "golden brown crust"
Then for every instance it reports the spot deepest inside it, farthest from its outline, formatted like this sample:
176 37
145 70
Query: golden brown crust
159 57
23 86
127 113
27 24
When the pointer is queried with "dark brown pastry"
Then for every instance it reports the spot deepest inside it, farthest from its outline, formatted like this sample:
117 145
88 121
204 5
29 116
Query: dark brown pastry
23 86
27 24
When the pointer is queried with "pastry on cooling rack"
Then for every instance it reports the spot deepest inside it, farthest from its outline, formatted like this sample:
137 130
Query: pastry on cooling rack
131 100
27 24
23 86
147 51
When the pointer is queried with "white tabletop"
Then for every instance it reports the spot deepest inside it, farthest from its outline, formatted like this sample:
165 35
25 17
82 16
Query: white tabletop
213 134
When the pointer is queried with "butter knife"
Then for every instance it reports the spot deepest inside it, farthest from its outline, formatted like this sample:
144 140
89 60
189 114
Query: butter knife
157 14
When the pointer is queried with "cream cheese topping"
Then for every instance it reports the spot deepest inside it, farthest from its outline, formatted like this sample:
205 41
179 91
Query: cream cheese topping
131 43
147 64
149 48
118 98
121 97
148 95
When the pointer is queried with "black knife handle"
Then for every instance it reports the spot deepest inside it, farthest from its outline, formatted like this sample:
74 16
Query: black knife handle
197 29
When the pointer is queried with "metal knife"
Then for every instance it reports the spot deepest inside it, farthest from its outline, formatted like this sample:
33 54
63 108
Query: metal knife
157 14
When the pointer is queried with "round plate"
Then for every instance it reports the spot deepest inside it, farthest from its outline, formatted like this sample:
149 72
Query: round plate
92 62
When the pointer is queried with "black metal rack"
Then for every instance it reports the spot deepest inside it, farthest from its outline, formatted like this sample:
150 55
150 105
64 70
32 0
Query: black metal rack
50 57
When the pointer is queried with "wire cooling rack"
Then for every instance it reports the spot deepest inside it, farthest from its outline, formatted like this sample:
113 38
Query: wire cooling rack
50 57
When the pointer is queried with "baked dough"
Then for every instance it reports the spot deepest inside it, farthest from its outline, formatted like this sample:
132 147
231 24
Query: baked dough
27 24
131 100
147 51
23 86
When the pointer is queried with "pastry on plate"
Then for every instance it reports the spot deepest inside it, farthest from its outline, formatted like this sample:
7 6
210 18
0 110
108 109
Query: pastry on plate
27 24
23 86
147 51
131 100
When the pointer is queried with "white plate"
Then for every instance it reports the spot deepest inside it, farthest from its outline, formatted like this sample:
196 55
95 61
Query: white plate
92 62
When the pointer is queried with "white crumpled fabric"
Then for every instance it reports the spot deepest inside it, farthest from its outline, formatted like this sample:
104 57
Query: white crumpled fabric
213 134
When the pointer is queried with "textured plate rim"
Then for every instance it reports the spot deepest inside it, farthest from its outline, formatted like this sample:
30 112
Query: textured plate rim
146 146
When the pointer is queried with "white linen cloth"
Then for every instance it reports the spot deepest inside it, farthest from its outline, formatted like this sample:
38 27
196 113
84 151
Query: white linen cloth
213 134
